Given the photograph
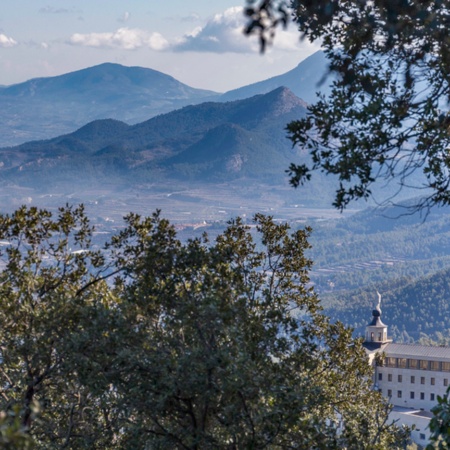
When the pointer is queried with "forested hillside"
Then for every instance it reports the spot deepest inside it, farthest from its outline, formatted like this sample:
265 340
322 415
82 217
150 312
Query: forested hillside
411 307
405 257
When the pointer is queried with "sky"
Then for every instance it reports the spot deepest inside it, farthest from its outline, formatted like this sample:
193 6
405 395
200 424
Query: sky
198 42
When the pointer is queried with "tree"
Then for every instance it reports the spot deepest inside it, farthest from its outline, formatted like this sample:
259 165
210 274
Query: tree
196 345
226 347
53 299
440 424
387 115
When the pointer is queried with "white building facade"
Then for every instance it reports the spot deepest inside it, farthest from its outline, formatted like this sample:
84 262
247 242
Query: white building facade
410 376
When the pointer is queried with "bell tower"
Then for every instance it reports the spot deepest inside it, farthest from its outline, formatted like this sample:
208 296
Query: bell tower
376 330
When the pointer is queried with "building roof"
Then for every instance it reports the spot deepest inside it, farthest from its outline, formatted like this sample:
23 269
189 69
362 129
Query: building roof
417 351
412 411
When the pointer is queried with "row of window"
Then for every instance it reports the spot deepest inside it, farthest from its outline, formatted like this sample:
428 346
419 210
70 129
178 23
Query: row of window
411 395
412 379
406 363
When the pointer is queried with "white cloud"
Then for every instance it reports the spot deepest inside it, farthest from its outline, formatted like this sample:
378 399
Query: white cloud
6 41
222 33
123 38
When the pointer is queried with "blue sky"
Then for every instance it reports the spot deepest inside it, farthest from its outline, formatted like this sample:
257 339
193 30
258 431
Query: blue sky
199 42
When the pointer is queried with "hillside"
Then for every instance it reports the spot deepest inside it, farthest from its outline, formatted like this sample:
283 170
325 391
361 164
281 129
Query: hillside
209 142
43 108
411 307
405 257
47 107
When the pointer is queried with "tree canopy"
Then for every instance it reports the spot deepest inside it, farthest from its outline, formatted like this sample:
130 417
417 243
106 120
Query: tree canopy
188 345
387 115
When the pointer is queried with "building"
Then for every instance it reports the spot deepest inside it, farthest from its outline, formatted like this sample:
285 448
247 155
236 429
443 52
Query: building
410 376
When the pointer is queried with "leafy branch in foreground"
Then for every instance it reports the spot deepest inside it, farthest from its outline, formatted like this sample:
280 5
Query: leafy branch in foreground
387 115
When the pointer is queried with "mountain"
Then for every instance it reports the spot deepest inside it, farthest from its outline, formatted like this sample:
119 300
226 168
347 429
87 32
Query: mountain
209 142
46 107
42 108
304 81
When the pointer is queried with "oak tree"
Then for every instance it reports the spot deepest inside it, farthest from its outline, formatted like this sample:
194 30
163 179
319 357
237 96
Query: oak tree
226 347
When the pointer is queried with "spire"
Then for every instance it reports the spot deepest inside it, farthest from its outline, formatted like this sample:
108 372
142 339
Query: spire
378 307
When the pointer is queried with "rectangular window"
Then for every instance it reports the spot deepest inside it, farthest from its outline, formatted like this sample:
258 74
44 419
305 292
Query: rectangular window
399 394
435 365
400 378
380 377
422 437
422 396
445 381
423 364
413 379
445 367
401 362
411 395
389 376
413 363
389 393
432 381
422 380
391 362
432 397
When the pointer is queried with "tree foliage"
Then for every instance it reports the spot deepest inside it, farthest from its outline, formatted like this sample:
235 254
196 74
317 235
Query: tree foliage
387 115
198 345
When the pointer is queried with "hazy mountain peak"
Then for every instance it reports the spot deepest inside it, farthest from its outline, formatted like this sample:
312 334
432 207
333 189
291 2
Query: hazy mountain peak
283 100
308 77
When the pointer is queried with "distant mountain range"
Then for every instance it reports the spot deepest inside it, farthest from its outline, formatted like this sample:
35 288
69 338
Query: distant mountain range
210 142
46 107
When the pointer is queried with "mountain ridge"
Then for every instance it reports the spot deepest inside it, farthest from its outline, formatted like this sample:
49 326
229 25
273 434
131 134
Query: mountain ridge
209 141
45 107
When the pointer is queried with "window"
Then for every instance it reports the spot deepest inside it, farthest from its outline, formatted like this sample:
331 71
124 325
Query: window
435 365
380 337
413 379
380 377
432 381
422 436
400 378
422 380
389 392
414 364
399 394
389 376
423 364
411 395
422 396
432 397
391 362
401 362
445 381
445 367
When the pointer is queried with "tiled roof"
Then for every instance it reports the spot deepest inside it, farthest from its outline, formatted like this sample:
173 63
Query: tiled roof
417 351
